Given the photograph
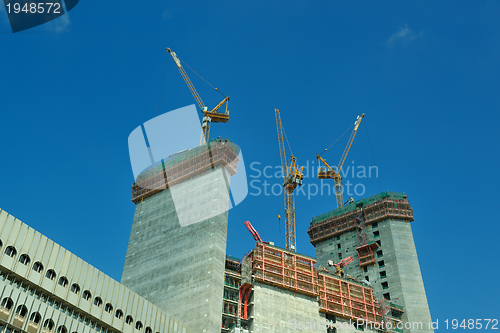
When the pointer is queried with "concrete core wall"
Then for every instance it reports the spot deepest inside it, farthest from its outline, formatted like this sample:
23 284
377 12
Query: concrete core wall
396 270
181 268
282 311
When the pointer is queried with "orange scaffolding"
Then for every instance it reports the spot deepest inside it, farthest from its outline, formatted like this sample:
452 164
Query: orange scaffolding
386 207
284 269
338 296
365 253
184 166
347 299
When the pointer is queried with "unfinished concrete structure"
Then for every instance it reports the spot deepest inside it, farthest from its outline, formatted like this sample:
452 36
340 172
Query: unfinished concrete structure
177 249
376 232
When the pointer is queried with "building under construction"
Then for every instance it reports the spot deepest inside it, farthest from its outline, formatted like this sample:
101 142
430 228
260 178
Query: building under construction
185 270
177 276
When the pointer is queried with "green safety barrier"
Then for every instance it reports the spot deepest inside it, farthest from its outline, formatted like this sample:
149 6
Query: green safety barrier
352 206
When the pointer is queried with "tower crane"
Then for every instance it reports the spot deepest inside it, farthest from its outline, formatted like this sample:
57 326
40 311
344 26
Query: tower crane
292 177
212 116
327 172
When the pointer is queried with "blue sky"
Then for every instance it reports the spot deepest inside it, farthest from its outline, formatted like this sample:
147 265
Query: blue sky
426 74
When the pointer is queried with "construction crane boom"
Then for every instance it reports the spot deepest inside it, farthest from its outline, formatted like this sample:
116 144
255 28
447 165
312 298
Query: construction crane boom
292 177
212 116
327 172
254 232
340 265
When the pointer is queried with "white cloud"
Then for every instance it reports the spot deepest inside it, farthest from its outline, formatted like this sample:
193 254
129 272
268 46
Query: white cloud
60 24
404 35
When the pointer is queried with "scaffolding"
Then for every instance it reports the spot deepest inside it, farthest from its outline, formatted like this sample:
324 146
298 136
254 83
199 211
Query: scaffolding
339 296
365 253
184 166
284 269
235 306
375 208
346 298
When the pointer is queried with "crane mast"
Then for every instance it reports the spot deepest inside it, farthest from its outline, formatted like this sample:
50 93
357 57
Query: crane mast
209 116
327 172
292 177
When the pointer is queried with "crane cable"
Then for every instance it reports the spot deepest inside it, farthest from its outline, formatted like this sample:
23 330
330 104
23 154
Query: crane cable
204 79
287 142
337 139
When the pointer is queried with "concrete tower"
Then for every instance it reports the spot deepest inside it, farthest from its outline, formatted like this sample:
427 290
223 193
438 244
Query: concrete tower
376 232
177 248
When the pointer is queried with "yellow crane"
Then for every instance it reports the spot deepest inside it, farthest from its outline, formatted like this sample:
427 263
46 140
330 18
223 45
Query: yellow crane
327 172
212 116
292 177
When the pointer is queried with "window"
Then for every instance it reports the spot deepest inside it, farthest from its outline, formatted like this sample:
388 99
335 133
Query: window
376 234
11 251
379 253
108 308
38 267
365 269
381 264
339 246
138 326
379 243
98 301
119 314
129 320
35 317
75 288
374 224
383 274
48 324
387 296
24 259
7 303
63 281
338 238
51 275
340 255
87 295
367 278
62 329
385 285
149 330
22 311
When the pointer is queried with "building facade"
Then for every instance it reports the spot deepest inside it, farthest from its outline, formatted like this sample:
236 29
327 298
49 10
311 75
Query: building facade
176 254
44 288
376 232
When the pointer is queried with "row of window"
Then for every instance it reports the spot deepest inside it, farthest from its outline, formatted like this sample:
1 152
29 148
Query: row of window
35 317
75 288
